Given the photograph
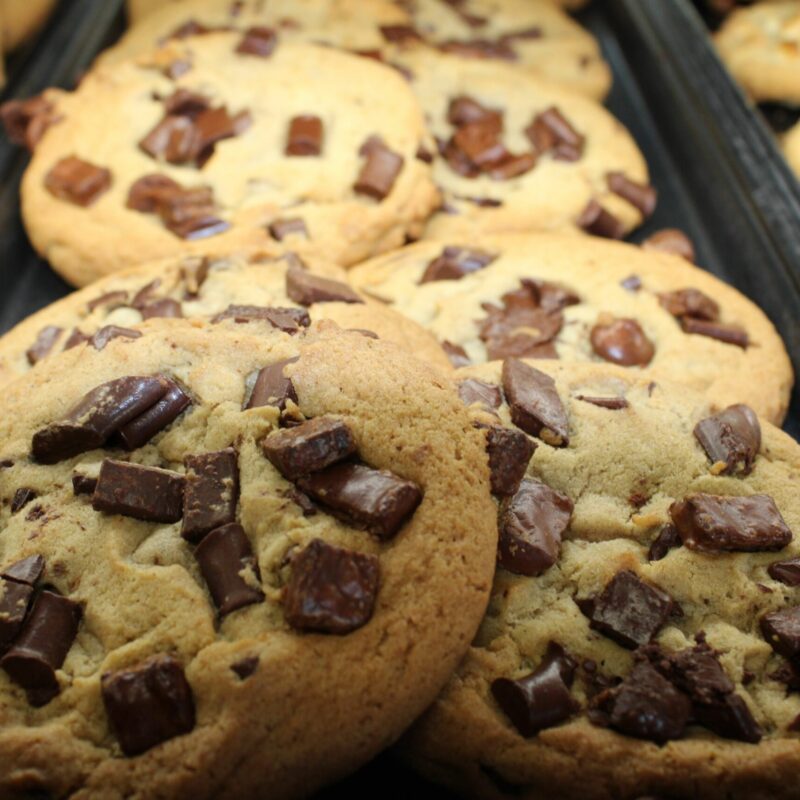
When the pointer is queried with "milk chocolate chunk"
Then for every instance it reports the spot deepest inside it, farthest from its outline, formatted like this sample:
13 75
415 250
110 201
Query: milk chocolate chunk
288 320
26 570
147 493
640 195
671 240
782 630
306 288
456 353
667 539
400 33
143 428
305 136
22 497
281 228
213 125
611 403
464 110
309 447
331 589
596 220
480 142
83 484
534 402
455 263
174 139
689 303
552 131
509 452
246 667
272 387
15 599
258 41
542 699
229 568
108 332
472 391
45 341
712 523
148 704
42 645
101 412
210 493
380 170
165 307
787 572
26 121
373 499
628 610
732 437
77 181
730 334
150 191
622 341
190 214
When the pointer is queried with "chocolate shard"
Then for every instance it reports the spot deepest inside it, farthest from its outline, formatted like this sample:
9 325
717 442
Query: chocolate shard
148 704
456 353
473 391
41 647
689 303
279 229
380 170
83 484
611 403
108 332
101 412
373 499
288 320
15 599
456 262
542 699
77 181
163 308
146 493
272 387
712 523
671 240
27 570
21 498
258 41
641 195
210 493
732 437
782 630
509 453
550 131
787 572
622 341
531 524
630 611
305 136
534 402
729 334
309 447
667 539
45 342
229 568
306 288
331 589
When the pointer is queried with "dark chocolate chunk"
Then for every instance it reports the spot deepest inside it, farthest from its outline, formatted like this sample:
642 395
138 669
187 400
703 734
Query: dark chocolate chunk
288 320
380 170
246 667
186 103
279 229
26 570
611 403
667 539
331 590
542 699
400 33
509 452
147 493
729 334
731 437
214 125
629 611
455 263
306 288
689 303
26 121
456 353
101 412
148 704
15 599
45 341
596 220
787 572
480 142
83 484
782 630
534 403
41 647
165 307
75 338
671 240
108 332
305 136
463 110
229 568
272 387
551 131
531 525
143 428
376 500
21 498
258 41
210 493
622 341
149 192
640 195
472 391
77 181
711 523
305 503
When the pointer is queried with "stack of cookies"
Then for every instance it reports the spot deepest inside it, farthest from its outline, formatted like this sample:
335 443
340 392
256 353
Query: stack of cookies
363 430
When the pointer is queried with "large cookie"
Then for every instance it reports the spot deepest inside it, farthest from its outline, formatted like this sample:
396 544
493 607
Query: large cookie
238 287
642 636
585 299
517 154
217 141
761 47
187 622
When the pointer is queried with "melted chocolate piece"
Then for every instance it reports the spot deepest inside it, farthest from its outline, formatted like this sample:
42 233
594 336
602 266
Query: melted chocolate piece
596 220
732 437
77 181
309 447
21 498
782 630
26 570
376 500
331 590
165 307
787 572
258 41
457 354
689 303
143 428
667 539
509 452
380 170
550 131
472 390
455 263
542 699
288 320
45 341
281 228
148 704
534 403
713 523
210 493
640 195
611 403
105 334
146 493
83 484
623 342
305 136
671 240
729 334
272 387
26 121
306 288
223 555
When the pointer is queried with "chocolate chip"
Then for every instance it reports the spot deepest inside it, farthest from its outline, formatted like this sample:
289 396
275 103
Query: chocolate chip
480 142
305 136
272 387
551 131
75 338
782 630
174 138
165 308
133 490
145 426
45 341
629 611
281 228
689 303
15 599
210 493
246 667
424 155
331 590
148 704
456 353
83 484
455 263
77 181
42 645
400 33
186 103
480 48
288 320
787 572
667 539
26 570
622 341
711 523
463 110
149 192
640 195
380 170
194 272
731 437
632 283
21 498
214 125
108 301
376 500
509 452
596 220
108 332
192 28
534 403
611 403
100 413
258 41
671 240
26 121
531 525
473 391
306 288
229 568
542 699
302 500
730 334
144 296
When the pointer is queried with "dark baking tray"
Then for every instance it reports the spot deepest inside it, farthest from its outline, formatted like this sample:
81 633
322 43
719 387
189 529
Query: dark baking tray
719 175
